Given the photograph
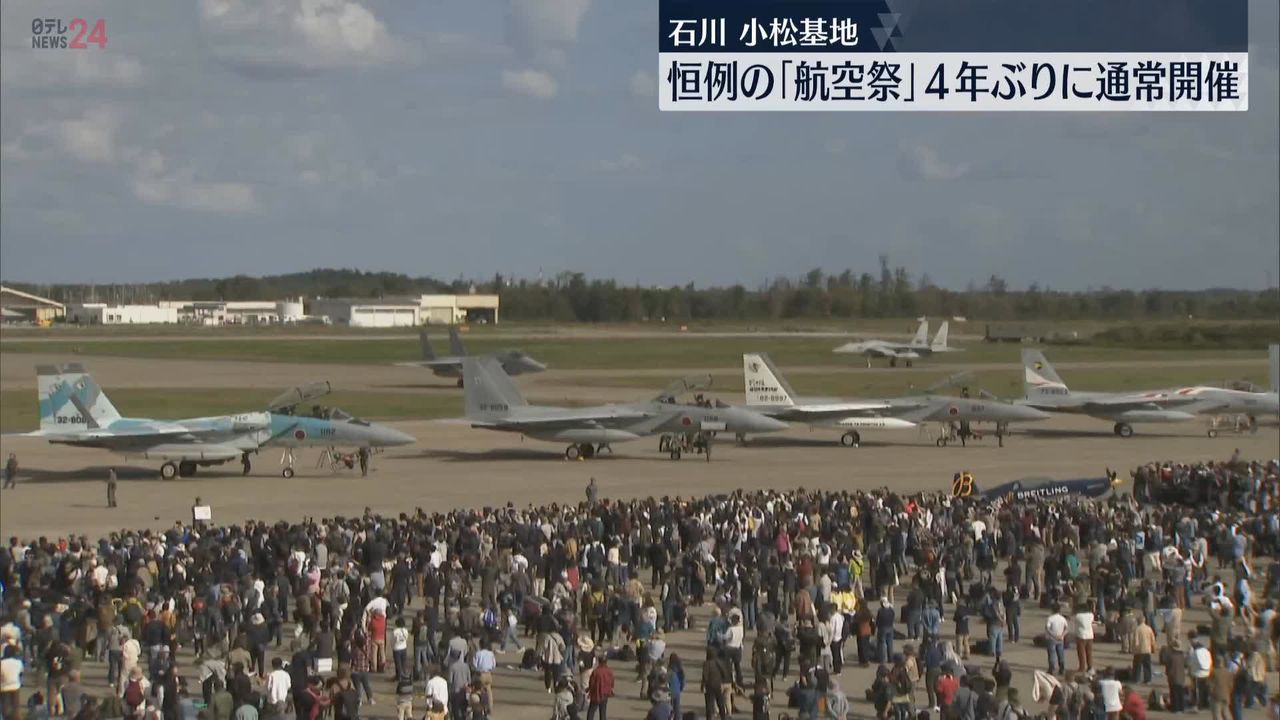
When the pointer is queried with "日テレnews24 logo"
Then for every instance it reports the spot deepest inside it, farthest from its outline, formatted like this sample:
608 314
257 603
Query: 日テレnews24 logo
74 34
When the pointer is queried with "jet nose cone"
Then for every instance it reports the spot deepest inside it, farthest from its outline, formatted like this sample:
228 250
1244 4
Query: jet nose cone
534 365
390 437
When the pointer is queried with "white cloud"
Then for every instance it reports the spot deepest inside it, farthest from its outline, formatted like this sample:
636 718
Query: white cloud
76 69
924 162
153 185
626 161
543 28
297 34
90 137
534 83
643 84
93 137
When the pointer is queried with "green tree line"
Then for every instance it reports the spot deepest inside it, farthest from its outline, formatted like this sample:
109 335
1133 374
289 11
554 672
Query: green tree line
572 297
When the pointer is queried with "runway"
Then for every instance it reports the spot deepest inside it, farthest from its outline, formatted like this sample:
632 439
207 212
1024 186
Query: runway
62 489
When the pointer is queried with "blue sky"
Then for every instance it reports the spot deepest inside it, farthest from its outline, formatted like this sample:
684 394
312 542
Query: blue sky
462 139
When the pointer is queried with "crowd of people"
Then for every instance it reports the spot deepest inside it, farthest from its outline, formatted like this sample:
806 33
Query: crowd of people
782 589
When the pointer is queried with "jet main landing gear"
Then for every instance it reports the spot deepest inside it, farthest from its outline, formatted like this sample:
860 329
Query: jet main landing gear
168 471
851 439
1122 429
584 451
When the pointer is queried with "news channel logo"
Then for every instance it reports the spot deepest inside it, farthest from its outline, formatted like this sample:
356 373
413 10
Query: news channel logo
73 34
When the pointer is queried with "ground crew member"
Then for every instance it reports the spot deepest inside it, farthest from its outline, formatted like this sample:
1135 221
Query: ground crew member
111 487
11 471
592 492
364 461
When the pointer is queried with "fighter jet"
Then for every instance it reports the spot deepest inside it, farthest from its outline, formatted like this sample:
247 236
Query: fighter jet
895 351
75 411
770 393
1035 488
494 403
1044 389
1216 401
514 362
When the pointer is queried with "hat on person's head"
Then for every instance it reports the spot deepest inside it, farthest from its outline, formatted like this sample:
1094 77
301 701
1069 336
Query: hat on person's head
586 644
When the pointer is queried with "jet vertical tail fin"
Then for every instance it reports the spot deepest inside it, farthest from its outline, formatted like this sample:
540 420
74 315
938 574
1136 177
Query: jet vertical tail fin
70 399
1037 373
455 342
764 382
489 392
940 340
921 337
425 343
1273 354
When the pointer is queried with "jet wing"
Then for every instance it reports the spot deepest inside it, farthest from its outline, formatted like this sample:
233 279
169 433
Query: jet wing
103 437
591 417
828 411
446 364
1143 401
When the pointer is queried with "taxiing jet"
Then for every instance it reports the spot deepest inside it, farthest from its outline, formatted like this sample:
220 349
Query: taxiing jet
919 346
493 402
1036 488
768 392
514 362
1044 389
1216 401
75 411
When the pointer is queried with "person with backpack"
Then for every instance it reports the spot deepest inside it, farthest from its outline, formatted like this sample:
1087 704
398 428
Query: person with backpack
133 693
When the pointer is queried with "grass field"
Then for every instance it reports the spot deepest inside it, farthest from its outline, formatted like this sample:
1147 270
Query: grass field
18 411
680 351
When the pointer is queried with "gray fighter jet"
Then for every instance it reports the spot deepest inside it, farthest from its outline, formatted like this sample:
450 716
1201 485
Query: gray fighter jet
919 347
494 403
1219 402
75 411
770 393
514 362
1043 389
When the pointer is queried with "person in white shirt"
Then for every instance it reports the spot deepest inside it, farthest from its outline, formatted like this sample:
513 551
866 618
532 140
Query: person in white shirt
1109 688
438 690
1200 667
1055 635
1082 629
278 683
400 648
10 681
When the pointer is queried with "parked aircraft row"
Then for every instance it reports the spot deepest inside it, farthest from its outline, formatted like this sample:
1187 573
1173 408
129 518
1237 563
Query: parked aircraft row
75 411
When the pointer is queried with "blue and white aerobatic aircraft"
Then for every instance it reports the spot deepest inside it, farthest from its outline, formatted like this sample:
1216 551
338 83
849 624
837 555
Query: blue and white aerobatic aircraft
75 411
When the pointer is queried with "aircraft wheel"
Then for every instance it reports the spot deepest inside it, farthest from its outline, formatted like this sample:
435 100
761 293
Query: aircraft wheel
850 439
893 362
908 363
287 473
1213 433
573 452
168 471
941 442
587 450
459 382
675 453
1124 430
186 468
